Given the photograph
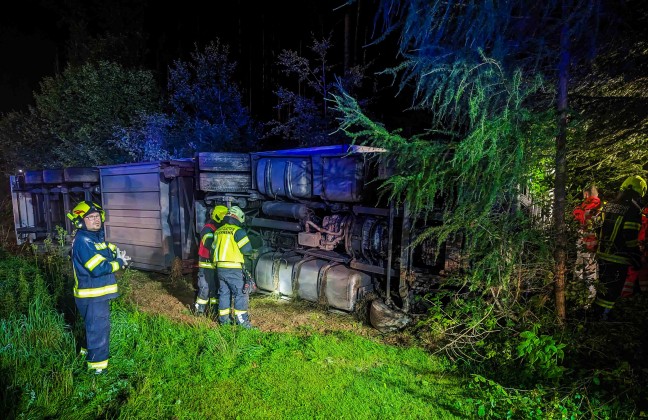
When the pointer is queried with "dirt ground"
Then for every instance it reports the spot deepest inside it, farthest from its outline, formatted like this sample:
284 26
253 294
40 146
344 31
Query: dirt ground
173 297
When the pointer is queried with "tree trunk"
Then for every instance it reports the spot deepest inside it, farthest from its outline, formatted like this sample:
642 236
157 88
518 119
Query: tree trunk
561 171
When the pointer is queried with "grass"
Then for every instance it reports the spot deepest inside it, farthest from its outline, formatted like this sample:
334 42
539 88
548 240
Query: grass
160 369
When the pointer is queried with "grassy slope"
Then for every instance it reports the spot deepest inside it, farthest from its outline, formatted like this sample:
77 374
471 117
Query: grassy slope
161 369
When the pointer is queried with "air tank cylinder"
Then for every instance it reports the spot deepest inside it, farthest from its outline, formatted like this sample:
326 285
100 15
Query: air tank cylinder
281 209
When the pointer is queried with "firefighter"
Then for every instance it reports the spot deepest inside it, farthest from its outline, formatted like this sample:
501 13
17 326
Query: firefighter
94 262
230 245
642 274
586 214
618 246
207 290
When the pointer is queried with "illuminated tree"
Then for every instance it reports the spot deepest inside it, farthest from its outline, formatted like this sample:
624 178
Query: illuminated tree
494 77
79 110
203 112
207 113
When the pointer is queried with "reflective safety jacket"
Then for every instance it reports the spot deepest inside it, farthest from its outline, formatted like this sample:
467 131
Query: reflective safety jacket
230 244
618 237
206 240
94 262
585 214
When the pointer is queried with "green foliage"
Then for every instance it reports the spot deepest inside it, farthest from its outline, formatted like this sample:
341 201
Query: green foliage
82 107
478 178
20 282
53 258
541 354
611 117
37 360
492 400
184 371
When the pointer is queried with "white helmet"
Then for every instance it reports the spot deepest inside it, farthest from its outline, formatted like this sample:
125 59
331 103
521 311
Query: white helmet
236 211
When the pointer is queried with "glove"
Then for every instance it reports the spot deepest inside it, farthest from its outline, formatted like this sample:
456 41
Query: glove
122 256
249 286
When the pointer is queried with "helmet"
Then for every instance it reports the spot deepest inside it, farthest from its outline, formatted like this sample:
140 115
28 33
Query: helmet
237 212
82 210
636 183
218 213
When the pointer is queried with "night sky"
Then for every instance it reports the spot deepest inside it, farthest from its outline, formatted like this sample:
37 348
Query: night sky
34 39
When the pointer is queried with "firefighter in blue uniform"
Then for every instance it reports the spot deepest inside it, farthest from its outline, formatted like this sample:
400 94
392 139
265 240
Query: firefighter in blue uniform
207 290
94 262
230 245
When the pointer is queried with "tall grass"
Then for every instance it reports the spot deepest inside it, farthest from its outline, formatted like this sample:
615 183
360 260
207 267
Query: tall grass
159 369
162 369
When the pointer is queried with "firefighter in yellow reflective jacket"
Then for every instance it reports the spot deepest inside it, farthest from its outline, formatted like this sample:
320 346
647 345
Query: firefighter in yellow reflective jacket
230 245
618 246
207 289
94 262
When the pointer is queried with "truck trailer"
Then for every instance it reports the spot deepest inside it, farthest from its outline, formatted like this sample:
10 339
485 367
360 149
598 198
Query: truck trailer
324 230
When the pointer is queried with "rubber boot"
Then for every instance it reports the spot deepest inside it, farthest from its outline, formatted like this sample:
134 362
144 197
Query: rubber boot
224 317
243 319
199 309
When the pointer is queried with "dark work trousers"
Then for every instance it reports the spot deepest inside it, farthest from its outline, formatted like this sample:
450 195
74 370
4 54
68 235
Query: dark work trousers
96 317
207 288
611 276
231 296
212 283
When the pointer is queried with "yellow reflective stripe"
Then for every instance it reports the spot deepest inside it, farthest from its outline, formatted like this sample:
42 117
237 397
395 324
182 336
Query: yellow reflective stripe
95 292
223 251
227 264
98 365
115 266
202 301
242 242
604 303
224 312
239 312
613 258
615 231
112 247
100 245
94 261
205 264
632 225
213 300
611 239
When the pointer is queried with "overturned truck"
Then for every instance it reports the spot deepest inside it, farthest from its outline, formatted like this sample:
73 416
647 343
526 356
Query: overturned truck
323 231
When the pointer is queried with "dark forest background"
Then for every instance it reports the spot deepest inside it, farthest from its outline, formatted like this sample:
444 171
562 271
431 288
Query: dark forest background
39 38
